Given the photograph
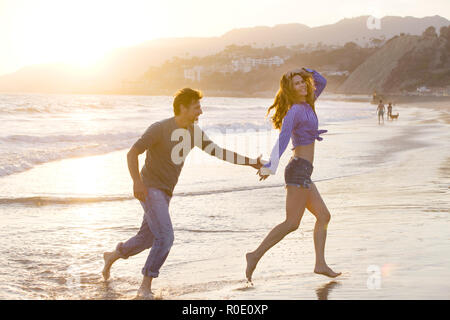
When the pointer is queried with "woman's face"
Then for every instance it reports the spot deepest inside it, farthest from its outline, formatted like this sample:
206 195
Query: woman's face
299 86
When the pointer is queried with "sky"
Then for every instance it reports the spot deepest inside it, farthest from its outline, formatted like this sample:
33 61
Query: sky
80 32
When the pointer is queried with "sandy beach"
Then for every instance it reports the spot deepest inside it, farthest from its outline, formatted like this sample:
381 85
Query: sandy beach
386 186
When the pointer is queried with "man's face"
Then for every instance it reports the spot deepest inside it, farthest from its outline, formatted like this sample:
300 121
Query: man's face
193 111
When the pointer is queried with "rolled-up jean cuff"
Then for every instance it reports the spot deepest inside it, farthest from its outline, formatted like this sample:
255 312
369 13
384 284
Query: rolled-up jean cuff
120 252
146 272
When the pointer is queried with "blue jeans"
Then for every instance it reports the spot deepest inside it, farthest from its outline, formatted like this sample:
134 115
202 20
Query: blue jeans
156 232
298 173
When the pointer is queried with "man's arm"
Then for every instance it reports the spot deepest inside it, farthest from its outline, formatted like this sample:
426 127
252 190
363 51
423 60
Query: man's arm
211 148
139 189
150 137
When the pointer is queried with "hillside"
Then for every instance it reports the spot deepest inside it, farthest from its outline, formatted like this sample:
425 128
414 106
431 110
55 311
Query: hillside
156 52
217 74
426 65
404 63
130 64
374 72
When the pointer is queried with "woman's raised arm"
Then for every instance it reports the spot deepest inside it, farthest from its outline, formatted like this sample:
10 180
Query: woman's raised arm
319 81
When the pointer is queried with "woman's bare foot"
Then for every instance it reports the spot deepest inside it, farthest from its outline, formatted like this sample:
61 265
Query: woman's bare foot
109 258
251 265
326 271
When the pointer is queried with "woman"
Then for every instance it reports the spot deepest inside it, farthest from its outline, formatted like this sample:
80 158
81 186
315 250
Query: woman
295 115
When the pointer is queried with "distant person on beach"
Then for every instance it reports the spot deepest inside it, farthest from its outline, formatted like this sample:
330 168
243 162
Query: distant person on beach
380 111
389 113
295 115
153 187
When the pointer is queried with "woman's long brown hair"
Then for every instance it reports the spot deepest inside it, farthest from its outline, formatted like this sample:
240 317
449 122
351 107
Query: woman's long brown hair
285 97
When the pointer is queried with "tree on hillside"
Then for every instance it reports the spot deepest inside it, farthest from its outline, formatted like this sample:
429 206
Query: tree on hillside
376 42
444 36
430 32
444 33
351 46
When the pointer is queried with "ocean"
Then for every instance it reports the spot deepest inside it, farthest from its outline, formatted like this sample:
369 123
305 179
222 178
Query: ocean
66 197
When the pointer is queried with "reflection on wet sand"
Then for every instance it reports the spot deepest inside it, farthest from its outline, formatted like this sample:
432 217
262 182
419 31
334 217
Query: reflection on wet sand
324 290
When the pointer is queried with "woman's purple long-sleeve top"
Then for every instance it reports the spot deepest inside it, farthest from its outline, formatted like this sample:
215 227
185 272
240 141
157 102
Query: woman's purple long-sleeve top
301 123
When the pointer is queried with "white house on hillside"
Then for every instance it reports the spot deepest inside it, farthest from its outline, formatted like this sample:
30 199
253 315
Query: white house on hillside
194 74
423 89
247 64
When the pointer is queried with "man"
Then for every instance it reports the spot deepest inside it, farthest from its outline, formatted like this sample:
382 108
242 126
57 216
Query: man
167 143
380 111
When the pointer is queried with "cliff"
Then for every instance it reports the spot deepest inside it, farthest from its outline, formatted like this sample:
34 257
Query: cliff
404 63
371 75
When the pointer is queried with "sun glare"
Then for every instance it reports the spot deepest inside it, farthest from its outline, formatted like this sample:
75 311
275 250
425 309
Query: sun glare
87 175
79 33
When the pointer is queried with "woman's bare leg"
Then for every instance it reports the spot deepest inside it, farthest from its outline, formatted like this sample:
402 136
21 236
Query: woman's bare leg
317 207
295 206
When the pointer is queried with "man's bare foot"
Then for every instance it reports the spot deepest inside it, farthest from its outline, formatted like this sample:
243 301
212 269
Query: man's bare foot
109 260
326 271
145 293
145 290
251 265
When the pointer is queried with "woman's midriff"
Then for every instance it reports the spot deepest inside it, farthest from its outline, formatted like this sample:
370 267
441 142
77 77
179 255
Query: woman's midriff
305 152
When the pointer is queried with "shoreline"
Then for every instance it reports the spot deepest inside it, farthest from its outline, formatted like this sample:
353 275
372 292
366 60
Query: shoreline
334 96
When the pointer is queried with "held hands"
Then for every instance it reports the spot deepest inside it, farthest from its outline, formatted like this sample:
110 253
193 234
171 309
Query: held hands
139 190
263 173
259 163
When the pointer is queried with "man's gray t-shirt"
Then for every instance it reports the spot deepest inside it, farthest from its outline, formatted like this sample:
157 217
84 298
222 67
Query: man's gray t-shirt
167 147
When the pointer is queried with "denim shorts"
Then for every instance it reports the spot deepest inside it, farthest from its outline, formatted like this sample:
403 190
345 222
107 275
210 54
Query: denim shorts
298 173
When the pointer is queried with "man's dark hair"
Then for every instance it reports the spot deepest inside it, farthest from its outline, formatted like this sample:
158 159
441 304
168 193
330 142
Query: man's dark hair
185 97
